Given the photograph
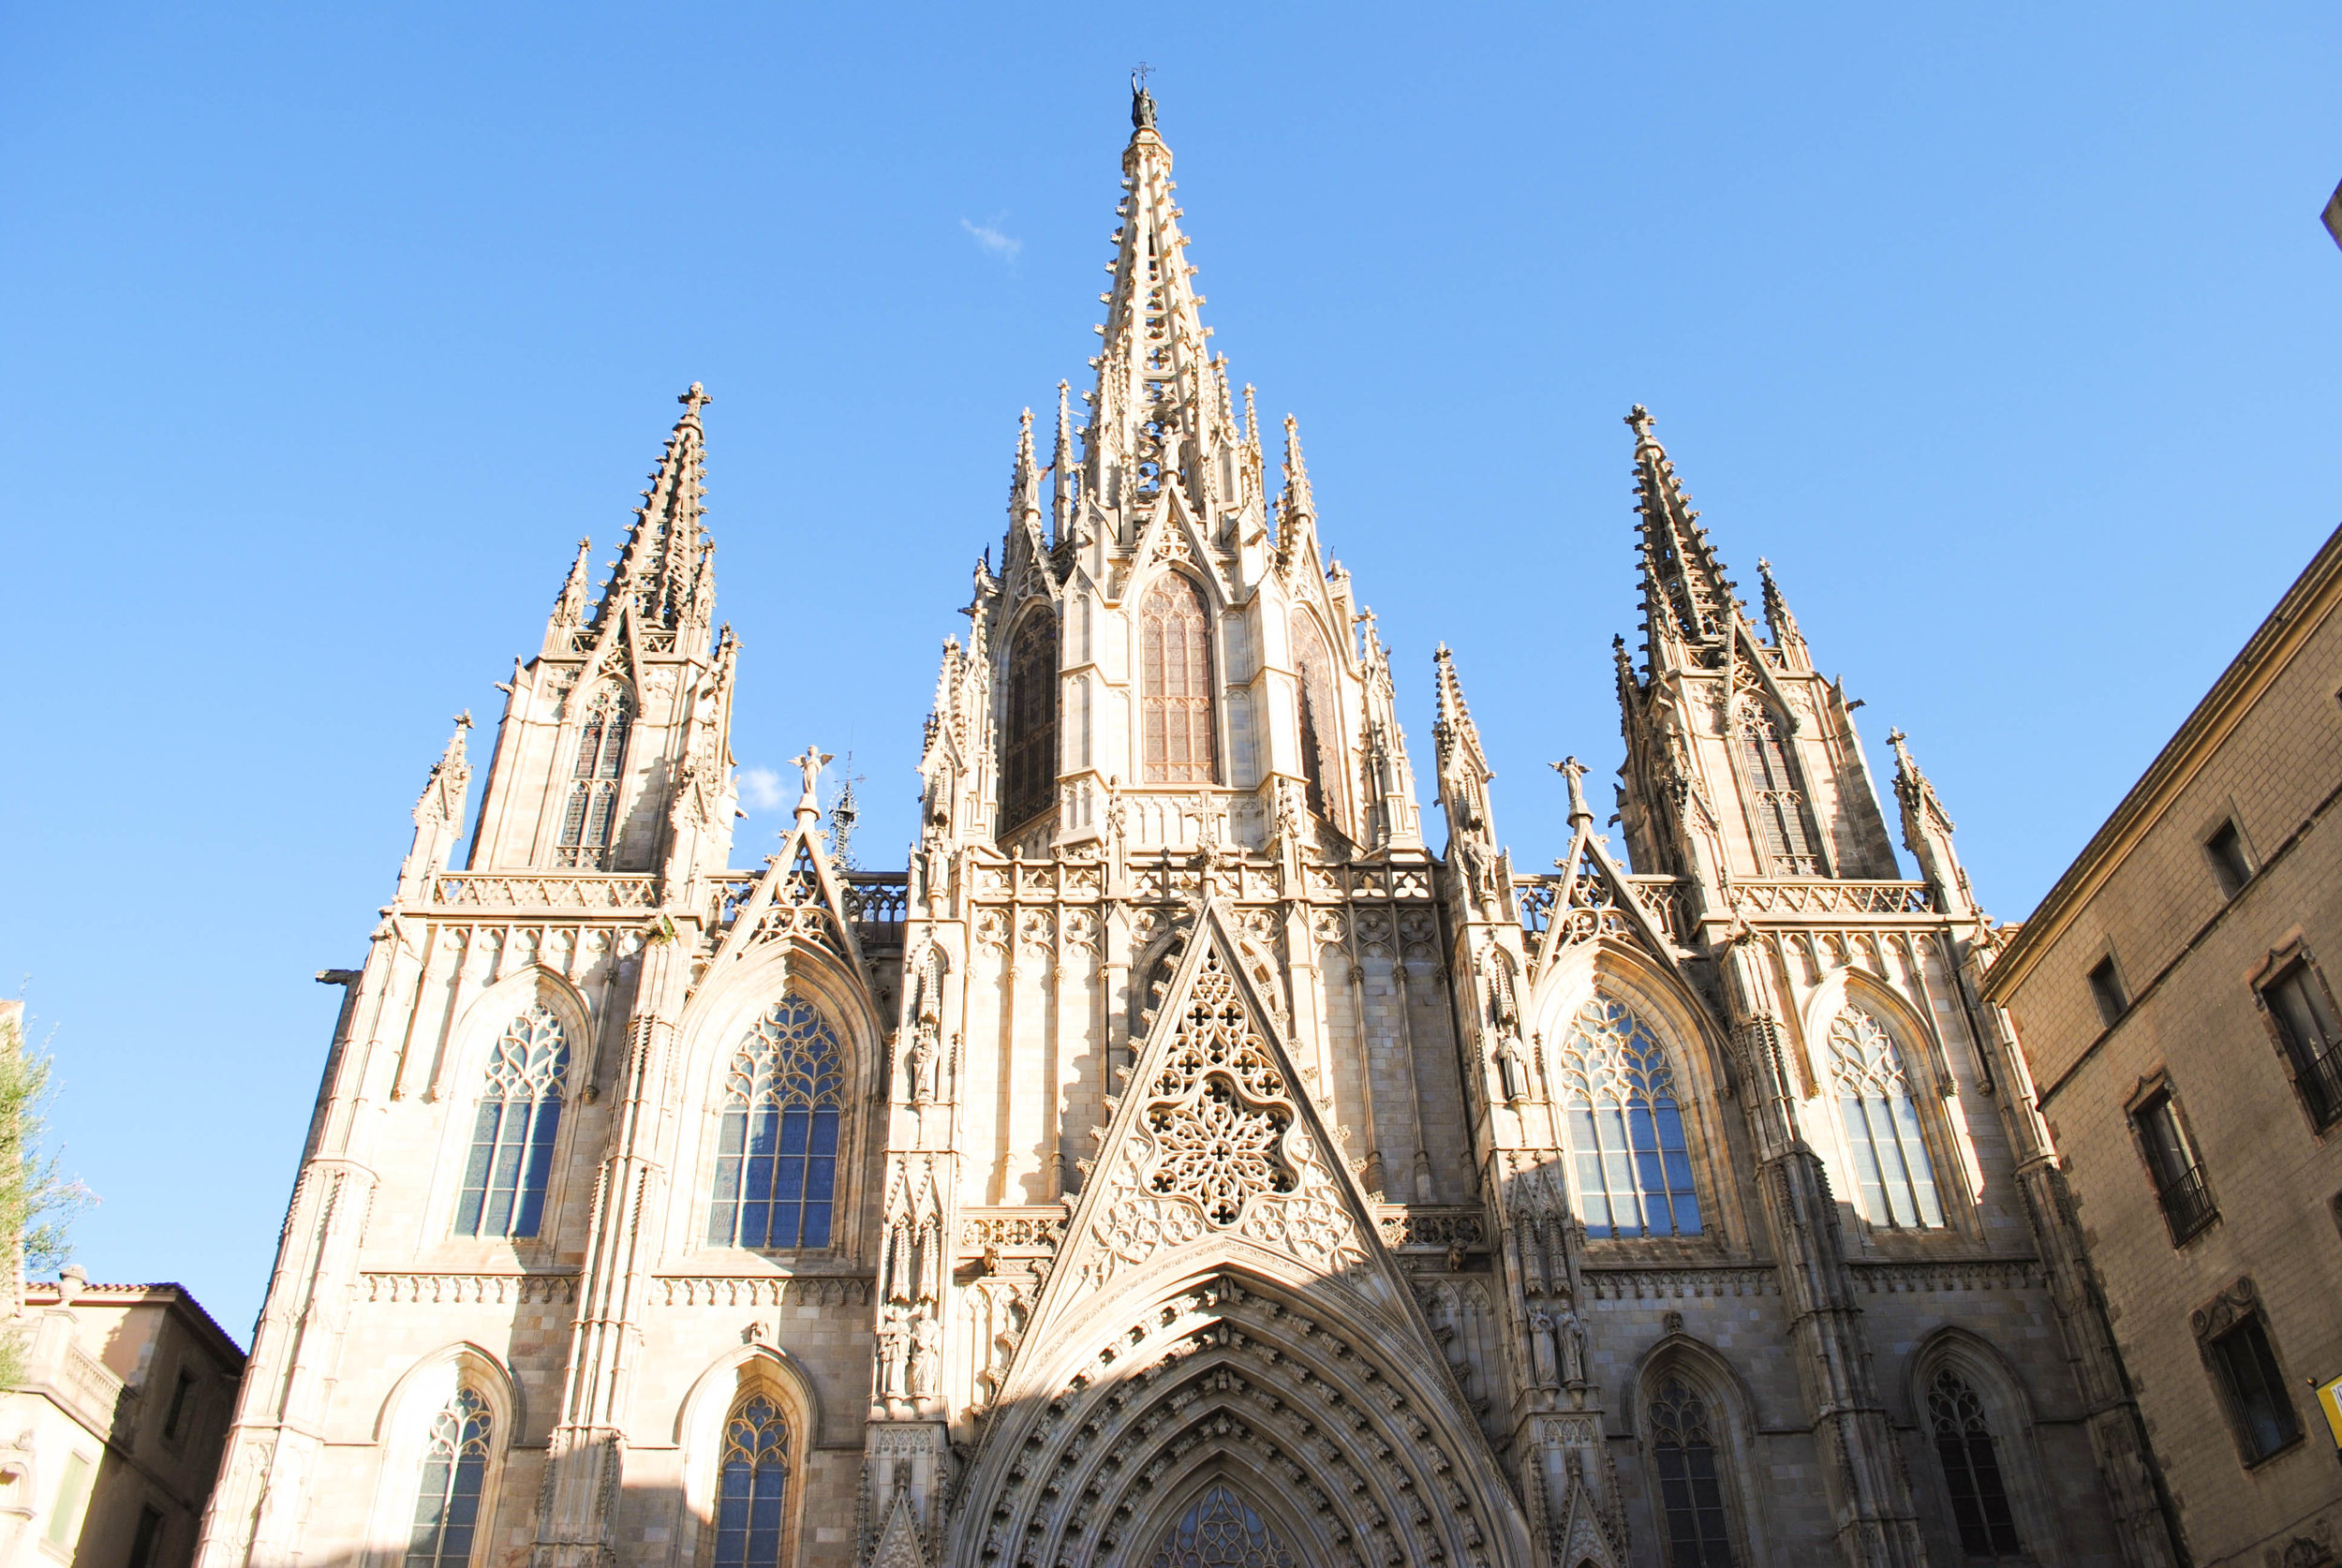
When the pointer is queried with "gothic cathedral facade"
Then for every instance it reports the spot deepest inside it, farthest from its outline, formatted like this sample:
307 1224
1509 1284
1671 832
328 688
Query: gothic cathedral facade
1179 1163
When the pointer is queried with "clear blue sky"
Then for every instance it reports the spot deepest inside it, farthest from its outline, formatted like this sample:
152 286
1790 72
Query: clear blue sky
2007 332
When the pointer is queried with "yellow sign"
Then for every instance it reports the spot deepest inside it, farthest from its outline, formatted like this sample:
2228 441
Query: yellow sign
2330 1401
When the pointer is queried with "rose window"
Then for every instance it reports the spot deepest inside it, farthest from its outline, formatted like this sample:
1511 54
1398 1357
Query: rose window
1219 1151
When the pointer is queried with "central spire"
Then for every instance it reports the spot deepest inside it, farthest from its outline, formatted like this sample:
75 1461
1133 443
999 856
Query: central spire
1159 420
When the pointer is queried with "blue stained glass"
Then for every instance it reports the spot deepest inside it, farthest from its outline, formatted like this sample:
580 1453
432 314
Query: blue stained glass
750 1516
509 1166
1626 1127
775 1161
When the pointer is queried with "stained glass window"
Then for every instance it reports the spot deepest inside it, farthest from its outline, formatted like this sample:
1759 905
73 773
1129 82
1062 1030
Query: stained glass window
1626 1127
1892 1174
512 1141
1963 1441
1691 1489
589 820
447 1503
1321 731
1784 824
753 1483
1028 739
1175 683
1220 1530
776 1152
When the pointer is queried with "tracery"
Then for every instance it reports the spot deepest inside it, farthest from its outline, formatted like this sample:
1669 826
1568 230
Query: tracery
1691 1487
454 1471
776 1150
752 1486
1971 1461
1625 1126
1219 1530
1892 1177
1175 683
513 1134
590 822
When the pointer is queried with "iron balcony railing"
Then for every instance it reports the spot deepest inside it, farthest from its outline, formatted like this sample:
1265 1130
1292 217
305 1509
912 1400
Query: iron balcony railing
2188 1204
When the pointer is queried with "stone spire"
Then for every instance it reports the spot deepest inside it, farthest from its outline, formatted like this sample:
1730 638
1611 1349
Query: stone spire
1780 626
1687 600
1155 420
569 609
1927 830
1024 484
665 576
1064 486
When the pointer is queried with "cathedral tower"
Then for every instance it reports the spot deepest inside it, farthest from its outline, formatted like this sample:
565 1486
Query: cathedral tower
1178 1162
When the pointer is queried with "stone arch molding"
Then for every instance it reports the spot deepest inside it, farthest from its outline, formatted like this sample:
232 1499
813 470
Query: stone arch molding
1358 1460
699 1435
2009 1411
484 1017
402 1432
1249 1317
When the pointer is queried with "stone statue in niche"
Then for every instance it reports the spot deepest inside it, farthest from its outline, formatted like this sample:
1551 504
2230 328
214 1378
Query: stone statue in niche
926 1355
1541 1349
1513 1068
895 1355
922 1059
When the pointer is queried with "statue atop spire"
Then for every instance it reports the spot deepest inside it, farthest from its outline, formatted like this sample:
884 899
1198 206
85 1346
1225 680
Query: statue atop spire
1142 101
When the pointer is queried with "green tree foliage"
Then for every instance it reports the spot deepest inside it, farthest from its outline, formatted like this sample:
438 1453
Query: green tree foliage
37 1203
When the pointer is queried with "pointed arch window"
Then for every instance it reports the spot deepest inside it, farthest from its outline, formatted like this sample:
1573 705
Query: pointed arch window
454 1469
776 1150
1625 1126
1785 822
1691 1485
590 820
752 1487
1175 683
513 1138
1971 1460
1219 1530
1891 1173
1028 739
1320 726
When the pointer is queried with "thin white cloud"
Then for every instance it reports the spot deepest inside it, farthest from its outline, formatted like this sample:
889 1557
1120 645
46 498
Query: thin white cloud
760 790
991 241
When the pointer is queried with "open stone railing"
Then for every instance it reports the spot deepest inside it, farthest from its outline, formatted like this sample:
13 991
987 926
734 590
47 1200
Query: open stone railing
878 902
1538 894
1820 897
558 891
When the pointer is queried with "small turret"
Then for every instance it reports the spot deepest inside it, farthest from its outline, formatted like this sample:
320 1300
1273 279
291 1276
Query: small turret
1927 829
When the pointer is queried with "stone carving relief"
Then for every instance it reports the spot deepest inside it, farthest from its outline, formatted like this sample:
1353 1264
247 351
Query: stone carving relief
1219 1145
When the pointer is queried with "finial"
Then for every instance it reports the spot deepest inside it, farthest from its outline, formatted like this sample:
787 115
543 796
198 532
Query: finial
1639 420
1251 420
694 400
1142 101
463 720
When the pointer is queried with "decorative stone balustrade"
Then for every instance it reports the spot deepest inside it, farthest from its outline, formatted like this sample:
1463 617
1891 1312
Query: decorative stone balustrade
557 892
1832 899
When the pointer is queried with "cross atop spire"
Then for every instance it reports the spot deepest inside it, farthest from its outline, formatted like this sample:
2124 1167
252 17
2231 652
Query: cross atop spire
694 400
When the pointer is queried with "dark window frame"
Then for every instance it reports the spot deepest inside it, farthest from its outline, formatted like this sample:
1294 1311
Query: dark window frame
2233 1336
2313 1064
2107 991
1028 735
2173 1163
2231 861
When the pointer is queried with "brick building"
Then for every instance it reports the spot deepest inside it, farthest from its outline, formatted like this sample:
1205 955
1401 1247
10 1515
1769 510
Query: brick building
2174 1001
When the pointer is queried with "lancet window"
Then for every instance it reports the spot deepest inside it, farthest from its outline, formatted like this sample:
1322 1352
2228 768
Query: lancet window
752 1486
1175 683
1895 1183
590 820
1785 822
447 1500
513 1138
1691 1485
1963 1441
1220 1530
1028 738
1625 1126
1321 729
776 1150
